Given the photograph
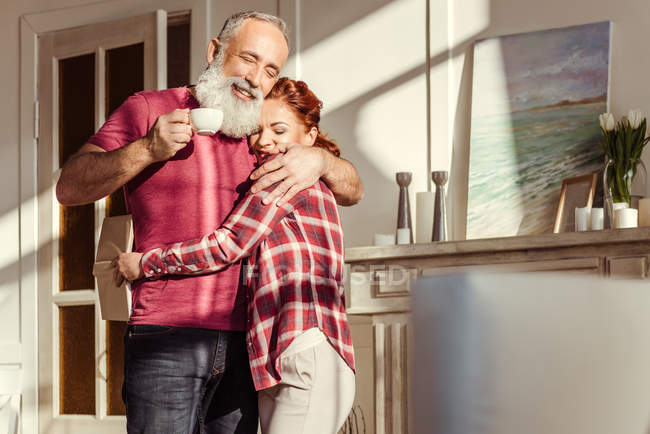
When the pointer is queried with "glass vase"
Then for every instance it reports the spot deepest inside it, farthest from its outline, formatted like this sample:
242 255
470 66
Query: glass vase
624 181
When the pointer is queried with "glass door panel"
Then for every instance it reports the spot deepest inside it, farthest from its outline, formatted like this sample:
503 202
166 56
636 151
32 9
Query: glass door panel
124 74
115 331
76 123
77 360
178 49
84 73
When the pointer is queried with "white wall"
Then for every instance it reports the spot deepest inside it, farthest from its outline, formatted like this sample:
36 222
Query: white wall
220 10
366 60
477 19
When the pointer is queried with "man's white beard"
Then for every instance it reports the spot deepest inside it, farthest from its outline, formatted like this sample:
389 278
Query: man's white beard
240 118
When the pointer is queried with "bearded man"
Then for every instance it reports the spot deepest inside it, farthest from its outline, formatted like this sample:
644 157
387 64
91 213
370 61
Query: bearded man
186 364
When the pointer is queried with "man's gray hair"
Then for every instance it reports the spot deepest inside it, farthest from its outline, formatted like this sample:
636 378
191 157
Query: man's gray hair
233 23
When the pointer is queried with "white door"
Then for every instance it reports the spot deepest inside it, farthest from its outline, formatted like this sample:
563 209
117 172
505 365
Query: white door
83 74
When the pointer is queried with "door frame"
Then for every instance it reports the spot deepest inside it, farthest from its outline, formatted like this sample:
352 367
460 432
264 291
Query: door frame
31 26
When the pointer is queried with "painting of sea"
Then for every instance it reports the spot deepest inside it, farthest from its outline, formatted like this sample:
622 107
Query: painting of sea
536 98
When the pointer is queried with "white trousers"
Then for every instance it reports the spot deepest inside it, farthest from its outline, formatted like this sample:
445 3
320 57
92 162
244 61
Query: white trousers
316 392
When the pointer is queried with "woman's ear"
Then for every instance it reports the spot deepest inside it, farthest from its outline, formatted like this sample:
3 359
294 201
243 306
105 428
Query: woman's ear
213 49
311 135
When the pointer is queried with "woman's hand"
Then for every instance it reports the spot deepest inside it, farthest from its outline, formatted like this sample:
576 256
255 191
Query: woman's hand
127 267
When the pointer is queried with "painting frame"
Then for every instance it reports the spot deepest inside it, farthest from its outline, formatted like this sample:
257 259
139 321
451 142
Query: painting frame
535 101
573 189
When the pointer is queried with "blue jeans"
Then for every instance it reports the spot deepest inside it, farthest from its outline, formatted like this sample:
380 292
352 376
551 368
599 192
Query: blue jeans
187 381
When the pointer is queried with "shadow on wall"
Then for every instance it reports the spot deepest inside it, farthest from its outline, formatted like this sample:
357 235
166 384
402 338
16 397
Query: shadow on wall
381 193
362 78
378 211
335 16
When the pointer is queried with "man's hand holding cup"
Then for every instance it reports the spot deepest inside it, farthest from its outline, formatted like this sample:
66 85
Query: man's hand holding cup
171 133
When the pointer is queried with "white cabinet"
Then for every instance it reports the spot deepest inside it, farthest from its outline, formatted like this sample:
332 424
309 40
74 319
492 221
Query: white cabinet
379 281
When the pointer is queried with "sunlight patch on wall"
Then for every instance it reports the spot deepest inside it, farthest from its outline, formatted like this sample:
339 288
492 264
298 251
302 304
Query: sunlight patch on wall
391 131
491 95
370 53
9 294
9 235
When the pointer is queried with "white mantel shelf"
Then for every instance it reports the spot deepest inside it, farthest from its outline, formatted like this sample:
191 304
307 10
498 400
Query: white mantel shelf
494 245
380 280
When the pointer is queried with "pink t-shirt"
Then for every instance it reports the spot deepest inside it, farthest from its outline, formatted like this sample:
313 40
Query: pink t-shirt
180 199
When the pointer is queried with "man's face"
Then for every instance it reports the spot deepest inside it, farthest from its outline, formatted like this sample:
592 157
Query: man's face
256 53
241 74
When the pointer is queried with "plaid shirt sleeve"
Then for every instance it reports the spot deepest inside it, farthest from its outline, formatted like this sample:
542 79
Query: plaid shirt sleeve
250 222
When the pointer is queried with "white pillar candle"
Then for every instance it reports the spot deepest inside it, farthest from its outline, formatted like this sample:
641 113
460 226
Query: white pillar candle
626 218
403 236
597 219
582 218
384 239
644 212
424 201
615 206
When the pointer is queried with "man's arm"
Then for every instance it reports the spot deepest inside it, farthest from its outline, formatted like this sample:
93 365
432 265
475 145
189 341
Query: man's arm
342 178
93 173
300 167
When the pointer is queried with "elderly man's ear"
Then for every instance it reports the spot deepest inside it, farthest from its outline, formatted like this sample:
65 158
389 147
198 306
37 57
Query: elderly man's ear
213 49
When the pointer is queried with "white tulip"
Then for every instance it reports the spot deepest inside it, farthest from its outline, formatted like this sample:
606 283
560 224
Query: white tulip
607 121
635 117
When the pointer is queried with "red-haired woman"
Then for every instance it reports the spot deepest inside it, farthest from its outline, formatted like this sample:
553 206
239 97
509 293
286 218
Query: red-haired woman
299 343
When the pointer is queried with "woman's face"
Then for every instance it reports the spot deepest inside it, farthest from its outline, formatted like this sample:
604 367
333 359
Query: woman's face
278 124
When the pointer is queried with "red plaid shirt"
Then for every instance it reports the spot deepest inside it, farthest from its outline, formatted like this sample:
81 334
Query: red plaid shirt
294 272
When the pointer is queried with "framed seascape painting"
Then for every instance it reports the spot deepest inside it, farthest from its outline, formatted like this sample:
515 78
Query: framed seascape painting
536 98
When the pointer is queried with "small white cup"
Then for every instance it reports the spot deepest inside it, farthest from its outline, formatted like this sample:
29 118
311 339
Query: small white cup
384 239
597 219
626 218
583 219
206 121
403 236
